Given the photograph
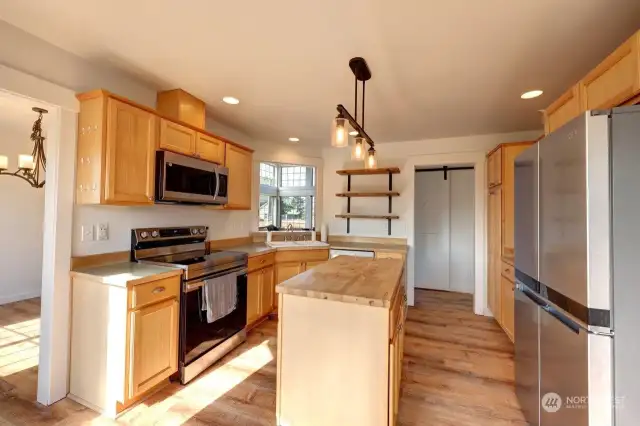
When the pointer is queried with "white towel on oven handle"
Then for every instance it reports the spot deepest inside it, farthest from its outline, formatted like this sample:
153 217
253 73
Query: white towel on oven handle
220 297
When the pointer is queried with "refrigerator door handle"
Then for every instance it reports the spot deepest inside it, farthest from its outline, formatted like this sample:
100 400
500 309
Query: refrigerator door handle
572 325
531 296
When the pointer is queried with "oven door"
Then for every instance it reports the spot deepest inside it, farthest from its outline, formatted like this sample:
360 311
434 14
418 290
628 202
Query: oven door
197 336
222 195
182 179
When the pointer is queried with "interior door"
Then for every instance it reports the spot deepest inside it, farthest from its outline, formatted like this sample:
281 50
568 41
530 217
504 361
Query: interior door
432 230
461 231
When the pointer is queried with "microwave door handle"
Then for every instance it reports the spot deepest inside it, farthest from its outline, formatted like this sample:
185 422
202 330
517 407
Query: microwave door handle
215 194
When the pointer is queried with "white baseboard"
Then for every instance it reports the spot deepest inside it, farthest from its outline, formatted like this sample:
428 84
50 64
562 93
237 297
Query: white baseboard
18 297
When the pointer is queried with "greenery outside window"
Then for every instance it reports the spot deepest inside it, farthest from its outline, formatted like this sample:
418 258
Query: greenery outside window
287 196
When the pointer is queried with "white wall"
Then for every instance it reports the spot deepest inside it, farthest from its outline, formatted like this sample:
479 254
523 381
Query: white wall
22 212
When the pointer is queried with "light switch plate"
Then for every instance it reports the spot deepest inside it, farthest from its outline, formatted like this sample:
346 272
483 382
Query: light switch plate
103 231
86 233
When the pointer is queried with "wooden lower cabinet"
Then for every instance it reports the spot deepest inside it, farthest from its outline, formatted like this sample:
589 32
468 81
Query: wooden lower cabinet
284 271
260 294
154 345
123 350
396 353
508 306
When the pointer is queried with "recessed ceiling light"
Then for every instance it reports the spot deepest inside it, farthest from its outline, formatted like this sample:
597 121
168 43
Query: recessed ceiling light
531 94
230 100
294 140
354 133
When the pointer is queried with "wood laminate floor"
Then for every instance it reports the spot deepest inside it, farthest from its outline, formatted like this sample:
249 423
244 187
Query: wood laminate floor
458 370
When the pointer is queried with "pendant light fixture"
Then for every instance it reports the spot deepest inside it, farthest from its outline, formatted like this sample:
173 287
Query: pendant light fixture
29 166
339 136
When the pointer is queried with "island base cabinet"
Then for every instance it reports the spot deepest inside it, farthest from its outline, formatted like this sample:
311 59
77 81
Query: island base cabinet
336 365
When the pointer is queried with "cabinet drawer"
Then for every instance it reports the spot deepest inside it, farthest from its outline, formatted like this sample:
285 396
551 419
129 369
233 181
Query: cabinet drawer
301 255
508 272
154 291
257 262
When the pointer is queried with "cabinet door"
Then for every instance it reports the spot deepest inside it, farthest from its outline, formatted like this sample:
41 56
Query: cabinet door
267 294
494 225
254 289
508 308
153 342
284 271
240 167
395 374
130 154
508 209
177 138
494 165
615 80
564 109
209 149
309 265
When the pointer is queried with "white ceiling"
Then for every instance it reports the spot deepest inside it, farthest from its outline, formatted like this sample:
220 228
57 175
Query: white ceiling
440 68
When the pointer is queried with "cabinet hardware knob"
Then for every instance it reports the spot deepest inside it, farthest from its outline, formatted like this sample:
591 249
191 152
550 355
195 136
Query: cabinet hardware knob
158 290
150 198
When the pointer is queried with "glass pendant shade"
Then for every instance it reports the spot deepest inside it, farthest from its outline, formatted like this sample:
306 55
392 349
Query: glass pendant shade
358 151
340 133
371 162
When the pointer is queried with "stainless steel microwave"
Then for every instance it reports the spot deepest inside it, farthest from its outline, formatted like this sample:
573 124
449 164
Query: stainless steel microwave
182 179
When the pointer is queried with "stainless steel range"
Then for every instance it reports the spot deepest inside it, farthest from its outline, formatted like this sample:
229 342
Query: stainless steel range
202 343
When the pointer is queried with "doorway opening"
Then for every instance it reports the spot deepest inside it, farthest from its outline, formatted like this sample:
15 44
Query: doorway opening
444 228
21 257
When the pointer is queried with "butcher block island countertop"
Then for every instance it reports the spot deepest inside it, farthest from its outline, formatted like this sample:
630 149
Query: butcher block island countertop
349 279
340 340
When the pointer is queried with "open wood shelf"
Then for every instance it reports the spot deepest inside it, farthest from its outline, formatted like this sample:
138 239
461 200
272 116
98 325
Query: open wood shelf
381 171
369 194
368 216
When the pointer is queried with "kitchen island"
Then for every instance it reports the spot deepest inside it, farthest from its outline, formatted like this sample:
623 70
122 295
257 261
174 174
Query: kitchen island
340 337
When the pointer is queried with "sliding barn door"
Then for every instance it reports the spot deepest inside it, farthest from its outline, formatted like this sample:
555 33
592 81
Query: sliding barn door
444 231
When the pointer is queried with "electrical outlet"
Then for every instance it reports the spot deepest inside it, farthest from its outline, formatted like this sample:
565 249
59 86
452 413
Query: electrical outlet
86 233
103 231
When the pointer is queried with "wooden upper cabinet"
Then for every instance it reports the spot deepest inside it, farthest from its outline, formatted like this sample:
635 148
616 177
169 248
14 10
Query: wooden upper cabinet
564 109
130 154
494 168
177 138
154 346
614 80
239 162
182 106
209 148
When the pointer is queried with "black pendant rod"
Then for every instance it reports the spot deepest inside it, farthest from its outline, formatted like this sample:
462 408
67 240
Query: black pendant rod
345 114
363 92
355 102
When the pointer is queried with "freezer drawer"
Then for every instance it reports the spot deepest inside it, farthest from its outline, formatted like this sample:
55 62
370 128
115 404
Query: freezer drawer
527 317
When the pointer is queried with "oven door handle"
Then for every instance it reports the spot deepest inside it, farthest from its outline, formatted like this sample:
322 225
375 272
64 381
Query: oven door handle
191 286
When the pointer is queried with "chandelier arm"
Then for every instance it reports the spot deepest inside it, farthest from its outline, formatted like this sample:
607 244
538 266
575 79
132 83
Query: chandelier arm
345 114
26 177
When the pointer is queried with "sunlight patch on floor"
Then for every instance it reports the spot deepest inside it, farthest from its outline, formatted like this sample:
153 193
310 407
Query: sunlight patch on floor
178 408
19 346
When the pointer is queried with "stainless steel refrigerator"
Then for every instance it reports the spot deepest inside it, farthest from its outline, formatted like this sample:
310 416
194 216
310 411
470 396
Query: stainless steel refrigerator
577 252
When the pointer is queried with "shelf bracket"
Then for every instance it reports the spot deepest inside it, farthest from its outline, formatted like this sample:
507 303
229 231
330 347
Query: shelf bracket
388 226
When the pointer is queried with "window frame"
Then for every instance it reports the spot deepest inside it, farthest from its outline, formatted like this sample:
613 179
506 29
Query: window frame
308 191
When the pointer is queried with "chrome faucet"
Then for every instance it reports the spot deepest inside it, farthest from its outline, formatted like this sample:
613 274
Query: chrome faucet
289 229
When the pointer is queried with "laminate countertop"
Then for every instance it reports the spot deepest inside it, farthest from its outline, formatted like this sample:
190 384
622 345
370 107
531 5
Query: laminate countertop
349 279
124 273
258 249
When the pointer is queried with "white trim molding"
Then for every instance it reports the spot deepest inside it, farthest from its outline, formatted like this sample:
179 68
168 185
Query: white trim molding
53 369
477 160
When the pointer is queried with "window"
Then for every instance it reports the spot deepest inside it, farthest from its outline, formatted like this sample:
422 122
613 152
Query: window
287 196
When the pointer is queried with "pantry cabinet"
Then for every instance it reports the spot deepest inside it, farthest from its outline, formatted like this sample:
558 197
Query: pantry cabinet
614 82
500 234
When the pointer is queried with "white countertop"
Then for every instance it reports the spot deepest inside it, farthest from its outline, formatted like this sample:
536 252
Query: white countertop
121 274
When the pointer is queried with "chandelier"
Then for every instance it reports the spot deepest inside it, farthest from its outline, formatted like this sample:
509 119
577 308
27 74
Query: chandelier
29 166
340 134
